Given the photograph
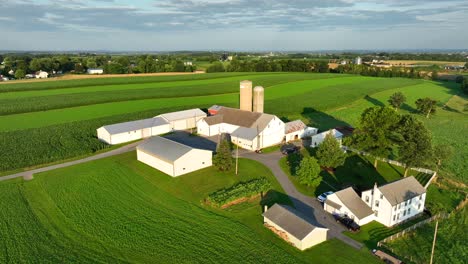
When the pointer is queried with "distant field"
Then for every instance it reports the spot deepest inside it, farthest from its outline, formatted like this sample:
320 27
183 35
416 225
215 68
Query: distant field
120 210
422 62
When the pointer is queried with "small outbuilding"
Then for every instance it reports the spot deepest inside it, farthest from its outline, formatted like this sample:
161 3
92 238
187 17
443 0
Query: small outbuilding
316 140
182 120
133 130
294 130
95 71
293 226
171 157
348 203
42 75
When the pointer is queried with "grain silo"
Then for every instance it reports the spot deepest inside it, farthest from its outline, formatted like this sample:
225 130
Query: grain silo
258 99
246 95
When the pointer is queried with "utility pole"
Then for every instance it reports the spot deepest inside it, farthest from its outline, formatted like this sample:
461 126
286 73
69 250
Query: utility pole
433 242
237 156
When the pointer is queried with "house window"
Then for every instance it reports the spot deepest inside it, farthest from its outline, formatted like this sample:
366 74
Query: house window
377 203
398 217
394 208
372 192
419 206
420 197
381 196
398 207
376 213
406 202
394 217
367 199
409 202
183 168
409 210
203 162
404 213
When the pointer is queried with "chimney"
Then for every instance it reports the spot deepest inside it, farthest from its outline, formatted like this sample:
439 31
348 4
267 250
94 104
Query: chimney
265 208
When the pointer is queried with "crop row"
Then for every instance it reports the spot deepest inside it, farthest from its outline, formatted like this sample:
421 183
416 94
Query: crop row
238 191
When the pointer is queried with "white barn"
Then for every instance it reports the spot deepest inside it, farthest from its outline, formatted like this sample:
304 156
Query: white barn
42 75
95 71
317 139
133 130
182 120
249 130
293 226
348 203
397 201
173 158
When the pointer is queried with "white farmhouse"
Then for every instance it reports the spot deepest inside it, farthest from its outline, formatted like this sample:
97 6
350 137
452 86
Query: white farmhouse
319 138
397 201
42 75
249 130
171 157
133 130
293 227
95 71
348 203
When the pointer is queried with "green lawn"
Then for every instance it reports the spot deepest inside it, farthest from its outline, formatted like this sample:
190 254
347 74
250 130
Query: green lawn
120 210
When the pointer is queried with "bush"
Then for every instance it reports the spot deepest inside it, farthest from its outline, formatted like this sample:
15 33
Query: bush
239 190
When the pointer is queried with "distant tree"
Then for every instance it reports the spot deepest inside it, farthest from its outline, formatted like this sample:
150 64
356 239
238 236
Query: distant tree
434 75
376 133
414 143
91 63
308 172
459 79
442 153
179 66
329 153
397 99
223 157
35 64
216 67
79 68
426 106
19 74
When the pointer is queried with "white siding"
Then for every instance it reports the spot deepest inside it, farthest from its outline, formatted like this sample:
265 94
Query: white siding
273 134
203 128
156 163
194 160
345 211
103 135
126 137
161 129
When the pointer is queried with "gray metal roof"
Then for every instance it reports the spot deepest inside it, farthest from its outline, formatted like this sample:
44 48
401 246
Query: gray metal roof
291 220
245 133
134 125
191 113
294 126
164 148
402 190
354 203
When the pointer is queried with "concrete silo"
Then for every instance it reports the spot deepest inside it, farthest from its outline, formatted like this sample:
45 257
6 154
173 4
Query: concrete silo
258 98
246 95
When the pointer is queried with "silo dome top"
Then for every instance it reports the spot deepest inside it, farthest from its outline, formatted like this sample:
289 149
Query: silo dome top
246 81
258 88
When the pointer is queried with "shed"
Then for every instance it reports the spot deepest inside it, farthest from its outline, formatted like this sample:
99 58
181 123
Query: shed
171 157
294 130
347 202
294 227
186 119
133 130
316 140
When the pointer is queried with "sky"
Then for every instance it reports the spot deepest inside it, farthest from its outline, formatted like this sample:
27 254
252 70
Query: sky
243 25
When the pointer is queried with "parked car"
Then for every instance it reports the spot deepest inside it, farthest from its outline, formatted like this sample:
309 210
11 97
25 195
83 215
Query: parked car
323 197
347 222
289 149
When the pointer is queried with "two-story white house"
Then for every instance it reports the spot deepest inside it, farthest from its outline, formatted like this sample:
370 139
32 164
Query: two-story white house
397 201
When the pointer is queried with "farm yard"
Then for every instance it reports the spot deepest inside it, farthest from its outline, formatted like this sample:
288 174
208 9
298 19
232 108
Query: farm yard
115 208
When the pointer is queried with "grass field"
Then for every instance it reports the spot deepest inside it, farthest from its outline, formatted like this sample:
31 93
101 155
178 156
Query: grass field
120 210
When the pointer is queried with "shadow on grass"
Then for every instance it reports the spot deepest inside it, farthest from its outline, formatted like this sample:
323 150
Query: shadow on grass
373 101
320 119
408 108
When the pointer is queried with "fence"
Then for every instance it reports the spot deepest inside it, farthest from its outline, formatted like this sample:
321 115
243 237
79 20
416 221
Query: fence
411 228
397 163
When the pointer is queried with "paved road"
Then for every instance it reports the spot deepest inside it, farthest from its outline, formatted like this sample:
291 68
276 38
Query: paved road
306 204
27 175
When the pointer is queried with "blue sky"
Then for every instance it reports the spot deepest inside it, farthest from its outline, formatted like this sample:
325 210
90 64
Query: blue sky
143 25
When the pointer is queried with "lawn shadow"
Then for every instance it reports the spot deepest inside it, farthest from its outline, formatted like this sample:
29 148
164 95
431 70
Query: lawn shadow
408 108
374 101
320 119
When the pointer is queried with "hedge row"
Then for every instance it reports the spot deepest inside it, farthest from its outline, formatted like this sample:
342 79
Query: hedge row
238 191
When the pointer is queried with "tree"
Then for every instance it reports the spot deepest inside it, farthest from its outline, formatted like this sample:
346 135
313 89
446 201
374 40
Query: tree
308 172
442 153
216 67
329 153
223 158
414 143
19 74
426 106
376 133
434 75
397 99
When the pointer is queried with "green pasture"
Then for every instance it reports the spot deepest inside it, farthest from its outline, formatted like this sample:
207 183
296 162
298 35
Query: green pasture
120 210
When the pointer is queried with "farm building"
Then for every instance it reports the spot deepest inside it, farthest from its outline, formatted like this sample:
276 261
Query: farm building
319 138
185 119
42 75
95 71
249 130
133 130
348 203
294 130
213 110
293 227
397 201
171 157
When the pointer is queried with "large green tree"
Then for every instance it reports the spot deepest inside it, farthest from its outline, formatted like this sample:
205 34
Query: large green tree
397 99
329 153
376 134
442 153
426 106
308 172
223 157
414 143
19 74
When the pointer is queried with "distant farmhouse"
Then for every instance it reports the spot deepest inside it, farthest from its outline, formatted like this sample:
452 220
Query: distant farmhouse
95 71
42 75
389 204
